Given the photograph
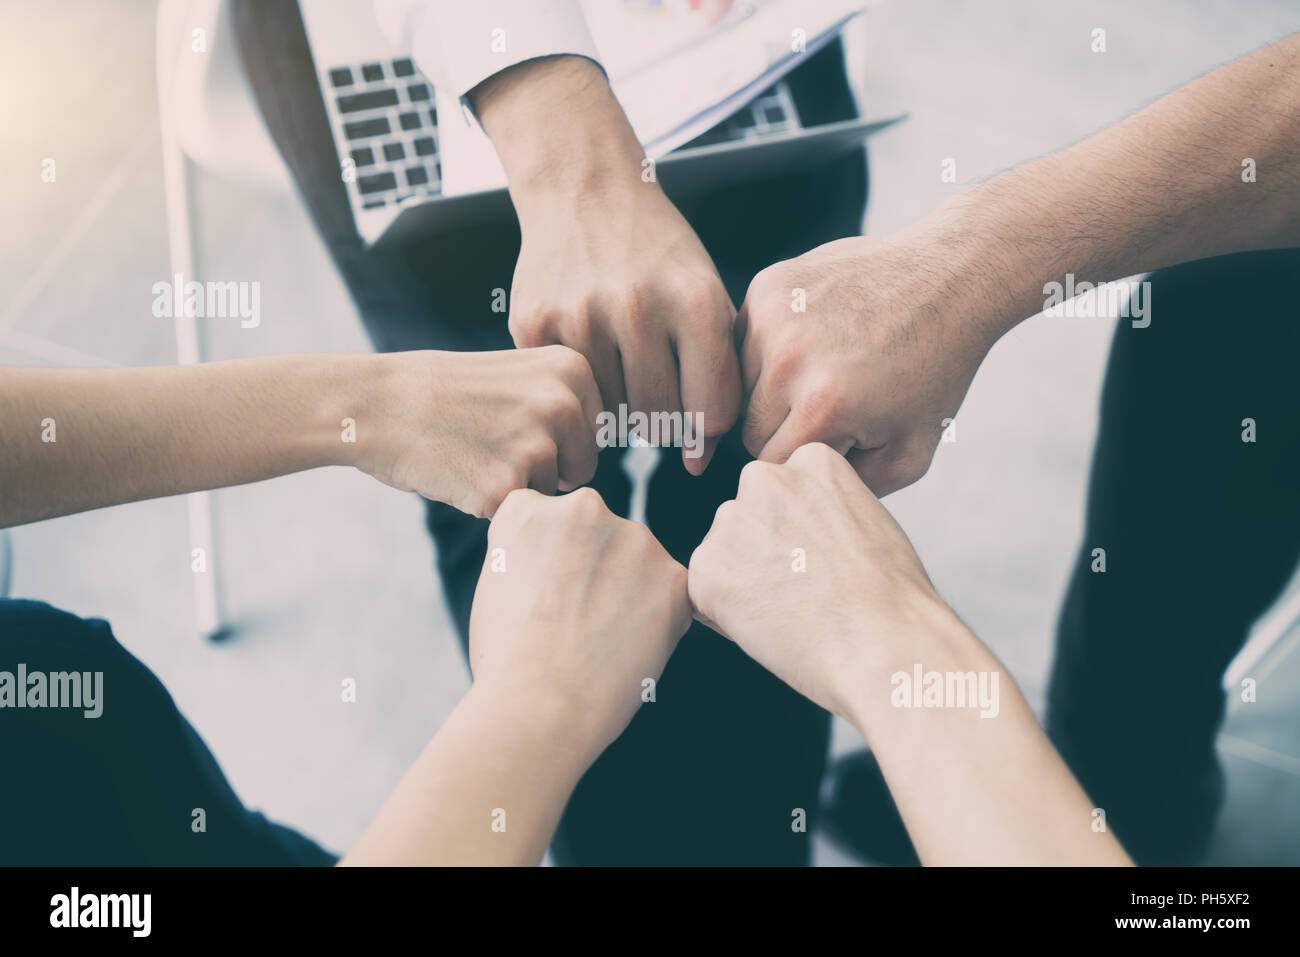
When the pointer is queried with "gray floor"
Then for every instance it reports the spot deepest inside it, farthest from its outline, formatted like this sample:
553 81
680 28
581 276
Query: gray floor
329 575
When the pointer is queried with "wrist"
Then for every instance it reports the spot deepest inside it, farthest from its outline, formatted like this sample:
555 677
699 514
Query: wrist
561 135
331 389
356 392
557 721
993 256
926 633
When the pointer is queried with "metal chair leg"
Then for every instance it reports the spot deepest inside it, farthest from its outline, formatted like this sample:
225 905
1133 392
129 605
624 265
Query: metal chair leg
204 554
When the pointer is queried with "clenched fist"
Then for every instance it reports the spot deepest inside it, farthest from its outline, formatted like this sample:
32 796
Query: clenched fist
576 604
607 265
468 428
857 344
810 575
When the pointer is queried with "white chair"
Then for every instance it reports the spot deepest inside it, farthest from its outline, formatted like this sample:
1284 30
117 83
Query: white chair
210 122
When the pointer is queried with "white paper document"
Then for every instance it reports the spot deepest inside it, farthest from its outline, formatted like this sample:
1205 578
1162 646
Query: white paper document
675 75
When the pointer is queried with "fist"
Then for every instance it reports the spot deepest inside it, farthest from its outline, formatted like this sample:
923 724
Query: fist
578 604
630 286
468 428
808 573
856 344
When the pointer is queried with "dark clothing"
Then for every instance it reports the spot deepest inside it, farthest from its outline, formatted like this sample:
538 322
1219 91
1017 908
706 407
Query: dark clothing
1201 531
123 787
712 771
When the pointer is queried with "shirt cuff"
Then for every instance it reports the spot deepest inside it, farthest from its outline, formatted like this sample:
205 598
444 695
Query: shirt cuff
461 44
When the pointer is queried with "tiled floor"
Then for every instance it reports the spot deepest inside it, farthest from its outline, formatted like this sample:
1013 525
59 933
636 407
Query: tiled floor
328 575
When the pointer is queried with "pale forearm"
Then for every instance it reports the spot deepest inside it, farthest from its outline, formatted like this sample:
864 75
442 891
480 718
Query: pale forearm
560 133
1166 185
976 781
75 439
488 790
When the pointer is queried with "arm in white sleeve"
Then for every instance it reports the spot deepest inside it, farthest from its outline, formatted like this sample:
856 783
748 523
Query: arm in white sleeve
460 43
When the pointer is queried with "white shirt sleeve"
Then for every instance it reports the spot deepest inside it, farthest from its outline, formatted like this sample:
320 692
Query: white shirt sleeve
460 43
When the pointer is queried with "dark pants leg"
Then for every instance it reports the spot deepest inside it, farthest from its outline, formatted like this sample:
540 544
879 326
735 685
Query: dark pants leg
712 770
1200 529
120 788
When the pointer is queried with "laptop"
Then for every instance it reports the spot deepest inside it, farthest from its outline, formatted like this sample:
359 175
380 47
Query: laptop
385 118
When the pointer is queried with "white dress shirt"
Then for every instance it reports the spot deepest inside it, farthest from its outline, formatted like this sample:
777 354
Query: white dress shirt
460 43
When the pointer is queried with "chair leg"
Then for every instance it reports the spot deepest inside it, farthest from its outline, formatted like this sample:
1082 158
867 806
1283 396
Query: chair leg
204 553
639 464
204 564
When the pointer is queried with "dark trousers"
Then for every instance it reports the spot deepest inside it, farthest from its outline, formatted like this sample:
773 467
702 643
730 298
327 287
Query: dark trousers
1201 530
133 786
713 770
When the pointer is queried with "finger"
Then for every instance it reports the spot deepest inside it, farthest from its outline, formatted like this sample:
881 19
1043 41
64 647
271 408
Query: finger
530 333
766 412
708 447
543 471
575 438
796 431
575 371
650 372
884 469
607 368
574 427
511 510
747 348
710 382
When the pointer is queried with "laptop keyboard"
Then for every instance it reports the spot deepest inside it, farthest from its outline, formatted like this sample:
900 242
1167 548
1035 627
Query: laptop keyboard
771 112
384 113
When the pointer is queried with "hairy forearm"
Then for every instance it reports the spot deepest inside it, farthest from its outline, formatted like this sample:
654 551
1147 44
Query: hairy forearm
75 439
976 781
1164 186
488 790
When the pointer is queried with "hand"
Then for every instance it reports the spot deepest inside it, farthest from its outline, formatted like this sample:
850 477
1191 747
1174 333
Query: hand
468 428
881 357
575 605
622 278
810 575
607 265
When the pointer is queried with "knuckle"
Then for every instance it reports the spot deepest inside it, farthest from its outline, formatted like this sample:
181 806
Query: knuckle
725 521
704 300
760 286
540 450
627 304
564 361
754 475
783 358
529 328
509 478
555 404
585 501
580 323
506 506
823 403
699 572
815 453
